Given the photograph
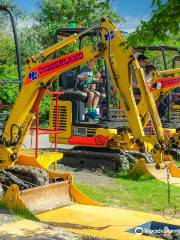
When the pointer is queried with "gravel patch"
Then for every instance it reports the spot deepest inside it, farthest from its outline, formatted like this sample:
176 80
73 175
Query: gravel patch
84 176
6 216
92 179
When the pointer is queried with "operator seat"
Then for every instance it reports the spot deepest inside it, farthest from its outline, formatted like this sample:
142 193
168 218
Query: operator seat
67 82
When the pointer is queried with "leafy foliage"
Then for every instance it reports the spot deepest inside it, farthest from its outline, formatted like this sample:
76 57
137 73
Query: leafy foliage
8 92
8 68
58 14
164 22
29 43
44 110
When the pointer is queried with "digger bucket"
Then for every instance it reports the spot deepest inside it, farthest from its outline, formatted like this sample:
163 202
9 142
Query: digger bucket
41 199
62 204
175 172
141 167
54 204
46 198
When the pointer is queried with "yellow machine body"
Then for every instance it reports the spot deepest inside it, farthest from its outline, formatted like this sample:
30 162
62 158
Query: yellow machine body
137 116
123 141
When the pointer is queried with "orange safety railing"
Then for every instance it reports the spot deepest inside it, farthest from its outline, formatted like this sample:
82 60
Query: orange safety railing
40 130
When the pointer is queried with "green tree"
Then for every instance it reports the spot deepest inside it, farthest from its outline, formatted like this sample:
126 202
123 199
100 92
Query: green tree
56 14
8 67
163 24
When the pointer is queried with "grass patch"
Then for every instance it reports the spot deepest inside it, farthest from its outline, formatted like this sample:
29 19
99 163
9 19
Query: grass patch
19 214
177 163
24 214
144 193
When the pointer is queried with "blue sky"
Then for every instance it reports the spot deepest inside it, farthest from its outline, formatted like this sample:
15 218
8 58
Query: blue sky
132 10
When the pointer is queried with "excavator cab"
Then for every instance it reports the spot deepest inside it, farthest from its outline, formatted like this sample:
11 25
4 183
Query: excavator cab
73 102
77 95
68 83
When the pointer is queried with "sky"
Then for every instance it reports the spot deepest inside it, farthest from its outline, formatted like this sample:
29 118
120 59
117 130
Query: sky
133 11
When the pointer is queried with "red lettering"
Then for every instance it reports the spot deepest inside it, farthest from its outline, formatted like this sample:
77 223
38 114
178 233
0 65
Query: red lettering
55 65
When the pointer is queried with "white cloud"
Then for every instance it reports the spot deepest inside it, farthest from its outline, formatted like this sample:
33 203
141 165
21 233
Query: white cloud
131 23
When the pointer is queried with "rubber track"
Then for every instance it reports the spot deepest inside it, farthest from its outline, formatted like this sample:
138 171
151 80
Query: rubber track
41 177
101 158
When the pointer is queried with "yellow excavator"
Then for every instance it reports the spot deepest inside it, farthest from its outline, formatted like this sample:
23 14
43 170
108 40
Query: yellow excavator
100 144
162 85
51 195
83 133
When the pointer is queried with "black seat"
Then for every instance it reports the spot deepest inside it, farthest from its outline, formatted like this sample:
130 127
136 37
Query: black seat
67 82
69 86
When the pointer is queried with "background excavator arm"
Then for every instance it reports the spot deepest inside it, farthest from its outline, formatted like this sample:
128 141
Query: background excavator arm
160 87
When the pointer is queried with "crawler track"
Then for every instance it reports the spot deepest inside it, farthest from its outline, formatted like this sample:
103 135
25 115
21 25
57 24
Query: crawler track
24 176
92 158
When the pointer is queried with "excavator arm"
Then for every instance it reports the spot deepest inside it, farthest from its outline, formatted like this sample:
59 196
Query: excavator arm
160 87
121 62
38 76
